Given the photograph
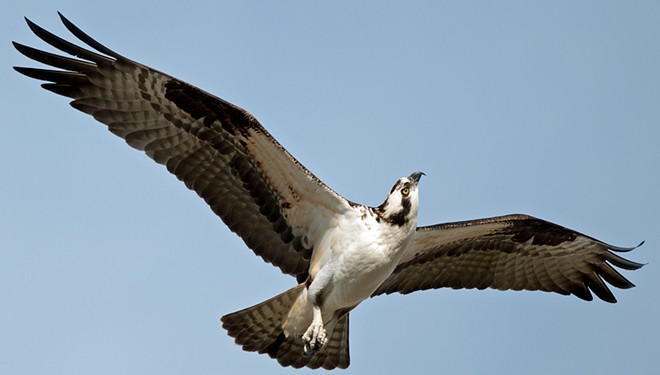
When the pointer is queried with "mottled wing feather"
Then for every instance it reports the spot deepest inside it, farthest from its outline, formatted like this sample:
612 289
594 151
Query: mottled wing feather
216 148
514 252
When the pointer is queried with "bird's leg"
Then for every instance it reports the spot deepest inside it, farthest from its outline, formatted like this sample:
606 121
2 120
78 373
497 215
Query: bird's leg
315 337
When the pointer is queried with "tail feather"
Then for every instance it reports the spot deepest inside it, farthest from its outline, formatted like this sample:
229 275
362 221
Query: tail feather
259 329
339 344
256 327
335 353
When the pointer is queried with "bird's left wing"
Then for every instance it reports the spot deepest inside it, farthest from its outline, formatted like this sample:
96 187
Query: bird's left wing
216 148
516 252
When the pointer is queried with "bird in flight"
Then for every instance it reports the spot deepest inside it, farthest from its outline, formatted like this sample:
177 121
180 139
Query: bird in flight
339 251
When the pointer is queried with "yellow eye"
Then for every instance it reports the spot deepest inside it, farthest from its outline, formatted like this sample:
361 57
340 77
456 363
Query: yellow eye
405 191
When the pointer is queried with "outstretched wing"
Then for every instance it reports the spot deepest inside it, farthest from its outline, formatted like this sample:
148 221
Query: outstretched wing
515 252
216 148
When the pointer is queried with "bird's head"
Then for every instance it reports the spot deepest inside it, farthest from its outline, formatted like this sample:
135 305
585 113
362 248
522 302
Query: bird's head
401 205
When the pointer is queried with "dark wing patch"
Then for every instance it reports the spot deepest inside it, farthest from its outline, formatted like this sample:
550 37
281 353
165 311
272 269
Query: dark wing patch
540 232
515 252
203 140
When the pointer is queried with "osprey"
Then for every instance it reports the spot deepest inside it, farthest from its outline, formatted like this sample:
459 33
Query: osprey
340 252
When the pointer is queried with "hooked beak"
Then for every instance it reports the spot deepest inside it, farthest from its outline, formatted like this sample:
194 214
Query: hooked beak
416 176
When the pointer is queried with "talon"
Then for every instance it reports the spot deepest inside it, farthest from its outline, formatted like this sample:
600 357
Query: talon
307 350
314 339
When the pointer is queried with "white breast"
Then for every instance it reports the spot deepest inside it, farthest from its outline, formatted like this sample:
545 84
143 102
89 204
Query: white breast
355 256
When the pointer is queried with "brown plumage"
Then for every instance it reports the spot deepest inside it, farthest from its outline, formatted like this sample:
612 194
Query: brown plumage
200 138
283 212
259 329
513 252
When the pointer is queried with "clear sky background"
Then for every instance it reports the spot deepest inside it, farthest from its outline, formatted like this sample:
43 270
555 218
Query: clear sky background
108 265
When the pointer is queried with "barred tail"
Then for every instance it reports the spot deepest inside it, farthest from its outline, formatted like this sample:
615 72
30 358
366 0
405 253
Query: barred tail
259 329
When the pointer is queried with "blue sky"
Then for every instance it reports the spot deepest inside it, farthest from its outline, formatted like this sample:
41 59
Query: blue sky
108 265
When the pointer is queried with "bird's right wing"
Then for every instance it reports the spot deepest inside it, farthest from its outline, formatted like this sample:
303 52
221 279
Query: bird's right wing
216 148
516 252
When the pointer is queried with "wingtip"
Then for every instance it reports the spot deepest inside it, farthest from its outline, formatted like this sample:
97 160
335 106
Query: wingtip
29 23
22 48
20 69
38 30
68 24
85 38
17 68
64 20
625 249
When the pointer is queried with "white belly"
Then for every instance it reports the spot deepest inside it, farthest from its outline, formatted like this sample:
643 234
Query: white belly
348 264
357 274
354 260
